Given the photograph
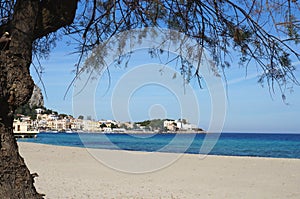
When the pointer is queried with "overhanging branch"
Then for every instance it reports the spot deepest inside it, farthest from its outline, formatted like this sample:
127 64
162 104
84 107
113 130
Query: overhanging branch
53 15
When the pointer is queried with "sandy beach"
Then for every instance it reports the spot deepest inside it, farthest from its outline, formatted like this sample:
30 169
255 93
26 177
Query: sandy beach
68 172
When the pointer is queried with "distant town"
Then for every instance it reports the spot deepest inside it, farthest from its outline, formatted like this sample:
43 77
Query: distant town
42 119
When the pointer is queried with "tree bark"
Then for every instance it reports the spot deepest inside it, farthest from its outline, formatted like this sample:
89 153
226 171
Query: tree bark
15 89
32 19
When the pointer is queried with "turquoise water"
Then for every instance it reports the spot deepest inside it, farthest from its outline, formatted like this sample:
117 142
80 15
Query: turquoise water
228 144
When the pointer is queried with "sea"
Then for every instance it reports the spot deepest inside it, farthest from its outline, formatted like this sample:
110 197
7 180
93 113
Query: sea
226 144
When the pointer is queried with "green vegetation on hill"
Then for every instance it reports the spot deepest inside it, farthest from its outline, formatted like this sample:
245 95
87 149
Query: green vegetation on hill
154 124
26 110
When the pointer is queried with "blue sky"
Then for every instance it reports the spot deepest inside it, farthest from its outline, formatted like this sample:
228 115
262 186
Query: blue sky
250 107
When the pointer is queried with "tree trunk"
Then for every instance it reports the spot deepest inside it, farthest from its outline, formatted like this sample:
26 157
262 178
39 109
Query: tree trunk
16 181
32 19
15 88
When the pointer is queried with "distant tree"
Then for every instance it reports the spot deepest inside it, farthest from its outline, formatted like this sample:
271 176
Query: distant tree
264 31
152 124
27 111
157 124
113 126
48 111
103 125
144 123
62 115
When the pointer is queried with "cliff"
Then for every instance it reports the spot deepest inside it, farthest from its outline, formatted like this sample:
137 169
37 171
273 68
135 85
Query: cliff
36 98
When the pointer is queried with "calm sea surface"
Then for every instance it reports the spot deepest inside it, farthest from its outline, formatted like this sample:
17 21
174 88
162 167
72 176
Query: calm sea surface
230 144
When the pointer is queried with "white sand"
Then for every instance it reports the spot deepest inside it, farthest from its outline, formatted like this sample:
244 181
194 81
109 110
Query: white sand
66 172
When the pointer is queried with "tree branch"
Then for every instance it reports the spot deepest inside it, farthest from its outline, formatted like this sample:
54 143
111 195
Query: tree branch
54 14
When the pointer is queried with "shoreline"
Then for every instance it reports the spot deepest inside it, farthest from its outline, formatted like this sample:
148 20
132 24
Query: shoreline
146 152
129 132
71 172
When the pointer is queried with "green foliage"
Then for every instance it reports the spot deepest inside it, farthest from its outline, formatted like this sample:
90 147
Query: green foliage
103 125
112 126
62 116
26 111
154 124
144 123
49 111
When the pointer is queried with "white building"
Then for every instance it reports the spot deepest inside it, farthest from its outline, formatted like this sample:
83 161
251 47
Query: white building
19 126
23 129
174 125
39 110
52 117
170 125
91 126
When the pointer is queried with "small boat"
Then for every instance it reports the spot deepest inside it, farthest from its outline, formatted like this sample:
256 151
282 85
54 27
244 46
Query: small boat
69 131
